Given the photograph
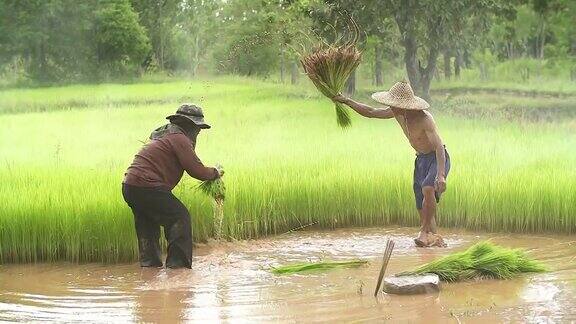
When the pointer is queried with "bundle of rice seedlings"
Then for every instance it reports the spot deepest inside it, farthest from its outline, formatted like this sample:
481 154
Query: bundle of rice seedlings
448 268
317 266
329 66
216 190
483 260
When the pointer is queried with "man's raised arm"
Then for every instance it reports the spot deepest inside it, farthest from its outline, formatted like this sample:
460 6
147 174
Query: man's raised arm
365 110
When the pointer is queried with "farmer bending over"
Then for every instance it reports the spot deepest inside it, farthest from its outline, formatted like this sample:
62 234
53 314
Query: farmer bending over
432 160
148 182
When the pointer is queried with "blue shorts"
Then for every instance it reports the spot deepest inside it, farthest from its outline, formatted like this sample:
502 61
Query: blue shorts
425 170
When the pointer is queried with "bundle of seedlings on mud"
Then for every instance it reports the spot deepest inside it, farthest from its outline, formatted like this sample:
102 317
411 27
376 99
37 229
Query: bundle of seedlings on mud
483 260
216 190
330 65
317 266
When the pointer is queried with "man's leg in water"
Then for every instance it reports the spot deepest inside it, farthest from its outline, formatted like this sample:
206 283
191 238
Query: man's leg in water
428 210
433 224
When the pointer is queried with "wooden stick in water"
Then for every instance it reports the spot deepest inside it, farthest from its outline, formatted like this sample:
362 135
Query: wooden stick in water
385 260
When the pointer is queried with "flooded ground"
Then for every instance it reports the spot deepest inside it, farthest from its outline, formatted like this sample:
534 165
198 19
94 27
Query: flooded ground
231 282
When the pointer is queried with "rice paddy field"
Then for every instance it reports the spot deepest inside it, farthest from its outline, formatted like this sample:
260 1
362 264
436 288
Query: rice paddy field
63 152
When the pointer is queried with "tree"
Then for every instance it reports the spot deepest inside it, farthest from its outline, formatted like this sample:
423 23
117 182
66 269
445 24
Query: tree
159 18
119 39
248 41
66 41
428 26
195 30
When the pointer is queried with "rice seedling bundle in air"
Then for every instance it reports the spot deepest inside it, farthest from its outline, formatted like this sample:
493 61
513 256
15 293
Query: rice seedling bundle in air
329 66
483 260
216 190
317 266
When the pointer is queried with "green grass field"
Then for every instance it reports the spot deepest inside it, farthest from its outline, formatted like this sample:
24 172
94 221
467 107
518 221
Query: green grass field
64 152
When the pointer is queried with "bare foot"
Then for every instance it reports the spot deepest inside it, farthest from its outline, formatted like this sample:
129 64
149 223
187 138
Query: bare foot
437 241
421 240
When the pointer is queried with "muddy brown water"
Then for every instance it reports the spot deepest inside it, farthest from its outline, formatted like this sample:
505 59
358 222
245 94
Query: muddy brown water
230 282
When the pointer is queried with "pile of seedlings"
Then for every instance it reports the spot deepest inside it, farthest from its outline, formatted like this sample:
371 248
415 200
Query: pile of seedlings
483 260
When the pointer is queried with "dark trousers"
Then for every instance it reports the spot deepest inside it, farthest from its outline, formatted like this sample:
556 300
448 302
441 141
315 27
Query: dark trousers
152 208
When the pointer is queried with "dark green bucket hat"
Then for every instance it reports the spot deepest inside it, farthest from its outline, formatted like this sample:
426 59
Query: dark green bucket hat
192 113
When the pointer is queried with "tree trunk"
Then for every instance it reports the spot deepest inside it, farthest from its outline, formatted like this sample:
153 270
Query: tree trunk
411 63
350 88
282 65
542 39
427 74
378 65
195 55
457 63
161 39
294 72
483 71
466 59
510 50
420 77
447 71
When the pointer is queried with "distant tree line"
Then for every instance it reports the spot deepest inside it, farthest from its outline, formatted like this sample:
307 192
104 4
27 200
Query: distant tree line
48 41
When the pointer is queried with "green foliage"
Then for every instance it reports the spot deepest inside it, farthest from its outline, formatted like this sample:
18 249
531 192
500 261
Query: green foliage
251 52
484 260
120 41
548 76
65 40
316 266
252 36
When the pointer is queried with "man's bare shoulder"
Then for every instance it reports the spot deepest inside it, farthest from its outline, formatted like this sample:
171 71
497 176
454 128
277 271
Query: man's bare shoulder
428 120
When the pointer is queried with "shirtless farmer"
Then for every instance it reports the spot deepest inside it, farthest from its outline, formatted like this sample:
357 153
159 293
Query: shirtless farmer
432 160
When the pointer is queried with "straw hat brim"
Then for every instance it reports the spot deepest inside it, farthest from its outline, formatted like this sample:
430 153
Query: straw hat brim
414 103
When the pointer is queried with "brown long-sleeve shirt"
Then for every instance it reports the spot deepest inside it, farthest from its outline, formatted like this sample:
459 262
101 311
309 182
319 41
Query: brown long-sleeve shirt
162 162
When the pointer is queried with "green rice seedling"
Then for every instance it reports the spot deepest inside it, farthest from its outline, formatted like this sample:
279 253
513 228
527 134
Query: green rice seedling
448 268
526 264
329 67
216 190
483 260
317 266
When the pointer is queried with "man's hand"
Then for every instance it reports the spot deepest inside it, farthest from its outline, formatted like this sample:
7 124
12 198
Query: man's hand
220 169
339 98
440 184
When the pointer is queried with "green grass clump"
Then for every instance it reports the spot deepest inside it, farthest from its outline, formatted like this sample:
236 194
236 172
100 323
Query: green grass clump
483 260
317 266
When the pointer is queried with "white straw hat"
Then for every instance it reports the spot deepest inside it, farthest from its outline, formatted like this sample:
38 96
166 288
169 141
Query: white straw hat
401 96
